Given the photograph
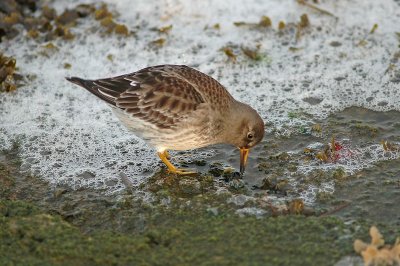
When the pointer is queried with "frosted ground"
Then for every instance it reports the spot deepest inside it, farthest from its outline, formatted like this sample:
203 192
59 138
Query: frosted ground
67 136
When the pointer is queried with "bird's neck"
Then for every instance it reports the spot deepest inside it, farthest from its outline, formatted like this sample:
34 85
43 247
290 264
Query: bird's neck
232 120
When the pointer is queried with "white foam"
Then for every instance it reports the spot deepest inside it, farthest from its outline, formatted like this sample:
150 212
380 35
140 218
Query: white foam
69 136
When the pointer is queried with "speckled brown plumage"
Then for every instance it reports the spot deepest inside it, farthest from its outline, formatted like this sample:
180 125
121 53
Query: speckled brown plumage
178 107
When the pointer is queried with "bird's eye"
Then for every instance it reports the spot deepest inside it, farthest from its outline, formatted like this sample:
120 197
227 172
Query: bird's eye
250 135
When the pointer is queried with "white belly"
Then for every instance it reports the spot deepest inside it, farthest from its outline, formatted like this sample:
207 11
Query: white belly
165 139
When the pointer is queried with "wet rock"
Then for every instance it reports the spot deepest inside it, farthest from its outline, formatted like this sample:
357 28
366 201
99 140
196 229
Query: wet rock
275 183
234 179
216 169
190 186
228 175
236 184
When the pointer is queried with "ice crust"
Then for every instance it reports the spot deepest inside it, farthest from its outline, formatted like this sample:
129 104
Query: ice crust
68 136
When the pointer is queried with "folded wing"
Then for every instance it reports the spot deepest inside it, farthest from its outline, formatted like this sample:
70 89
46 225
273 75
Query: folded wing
156 95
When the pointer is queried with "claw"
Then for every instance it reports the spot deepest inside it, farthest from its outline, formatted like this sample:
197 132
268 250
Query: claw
171 168
180 171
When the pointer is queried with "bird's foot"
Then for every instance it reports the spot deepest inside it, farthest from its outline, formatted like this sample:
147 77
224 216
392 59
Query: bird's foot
171 168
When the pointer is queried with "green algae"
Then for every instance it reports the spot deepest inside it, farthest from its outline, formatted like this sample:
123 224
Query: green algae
364 130
172 237
6 182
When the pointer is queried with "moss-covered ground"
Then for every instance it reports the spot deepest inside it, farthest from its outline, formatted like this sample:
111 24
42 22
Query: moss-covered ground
56 226
175 237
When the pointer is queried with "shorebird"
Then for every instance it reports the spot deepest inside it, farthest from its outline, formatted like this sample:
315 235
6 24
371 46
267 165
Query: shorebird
175 107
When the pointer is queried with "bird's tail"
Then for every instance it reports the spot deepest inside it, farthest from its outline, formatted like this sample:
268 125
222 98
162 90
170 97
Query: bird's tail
92 87
78 81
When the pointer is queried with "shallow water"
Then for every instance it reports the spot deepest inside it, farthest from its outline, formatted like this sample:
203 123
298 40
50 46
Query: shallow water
360 131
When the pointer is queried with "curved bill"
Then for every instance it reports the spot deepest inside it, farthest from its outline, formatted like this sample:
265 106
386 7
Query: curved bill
244 153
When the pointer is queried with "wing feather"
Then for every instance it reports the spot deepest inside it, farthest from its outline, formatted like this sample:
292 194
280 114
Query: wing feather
158 95
161 95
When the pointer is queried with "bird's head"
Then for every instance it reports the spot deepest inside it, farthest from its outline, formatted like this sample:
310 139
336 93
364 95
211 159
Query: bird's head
245 131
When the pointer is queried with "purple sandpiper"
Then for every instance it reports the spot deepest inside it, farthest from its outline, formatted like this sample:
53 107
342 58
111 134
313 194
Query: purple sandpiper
175 107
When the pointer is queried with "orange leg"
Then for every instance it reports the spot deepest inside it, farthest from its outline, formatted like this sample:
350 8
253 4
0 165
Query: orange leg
164 158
